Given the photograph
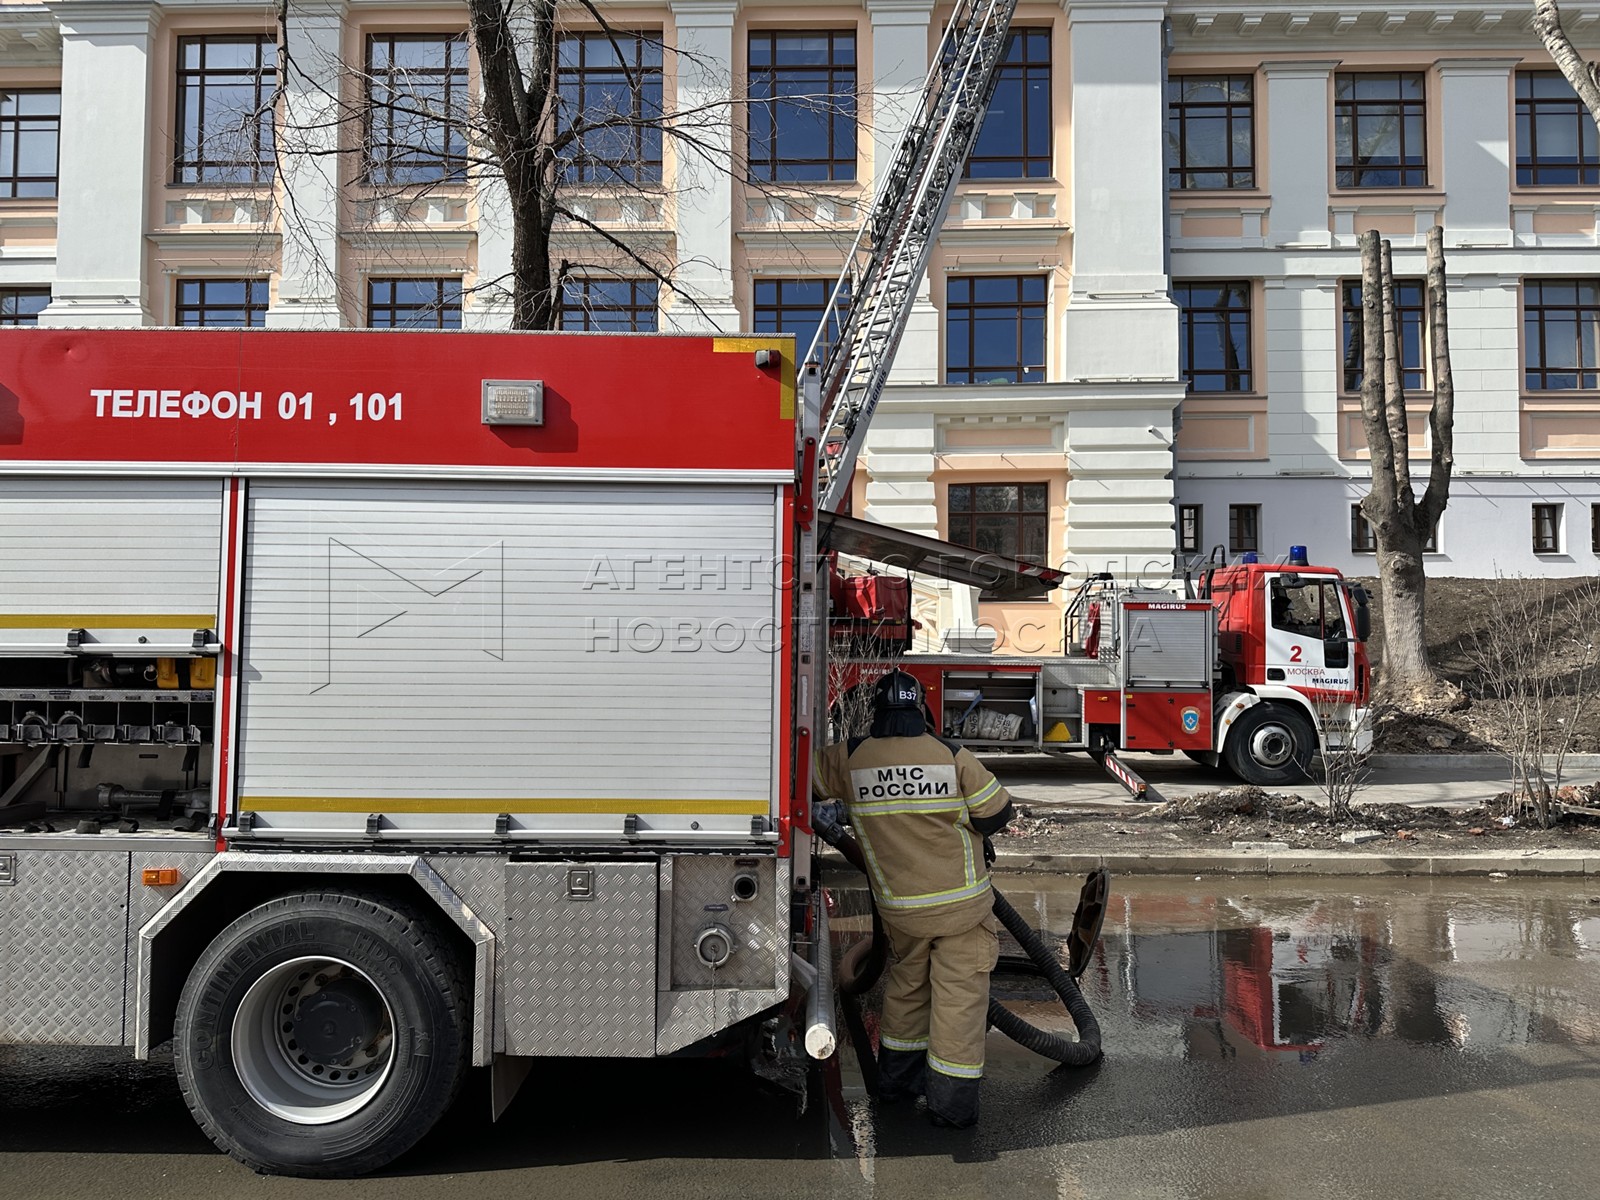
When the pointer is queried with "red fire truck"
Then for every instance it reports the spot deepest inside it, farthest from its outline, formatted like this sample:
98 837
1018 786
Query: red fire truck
1261 668
373 705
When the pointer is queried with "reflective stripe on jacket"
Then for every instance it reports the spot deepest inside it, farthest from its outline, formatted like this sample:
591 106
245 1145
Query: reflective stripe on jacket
912 801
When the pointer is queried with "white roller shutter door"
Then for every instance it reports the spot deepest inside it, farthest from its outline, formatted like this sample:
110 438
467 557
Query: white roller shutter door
123 558
435 648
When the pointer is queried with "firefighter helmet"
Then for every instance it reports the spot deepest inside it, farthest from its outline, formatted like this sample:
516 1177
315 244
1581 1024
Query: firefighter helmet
897 690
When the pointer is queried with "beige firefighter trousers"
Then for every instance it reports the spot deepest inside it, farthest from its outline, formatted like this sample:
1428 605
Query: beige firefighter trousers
937 997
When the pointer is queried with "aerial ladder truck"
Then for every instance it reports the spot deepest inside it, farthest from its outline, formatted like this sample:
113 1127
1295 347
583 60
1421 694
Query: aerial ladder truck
375 705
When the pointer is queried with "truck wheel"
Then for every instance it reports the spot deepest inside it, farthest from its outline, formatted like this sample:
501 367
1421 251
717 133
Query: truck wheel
321 1034
1270 744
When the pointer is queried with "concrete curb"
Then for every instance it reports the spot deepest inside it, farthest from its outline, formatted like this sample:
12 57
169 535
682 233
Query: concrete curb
1543 863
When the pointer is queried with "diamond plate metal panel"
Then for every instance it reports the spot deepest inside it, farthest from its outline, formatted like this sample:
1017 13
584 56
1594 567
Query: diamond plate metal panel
579 975
146 902
480 881
702 894
63 948
688 1017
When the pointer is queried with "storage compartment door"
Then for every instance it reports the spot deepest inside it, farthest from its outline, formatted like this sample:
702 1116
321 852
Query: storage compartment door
123 559
533 660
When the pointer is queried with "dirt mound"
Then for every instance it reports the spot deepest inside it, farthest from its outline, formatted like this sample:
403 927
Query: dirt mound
1463 617
1252 804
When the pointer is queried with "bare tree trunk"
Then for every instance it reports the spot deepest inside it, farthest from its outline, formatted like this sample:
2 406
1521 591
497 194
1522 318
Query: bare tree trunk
1584 77
1401 523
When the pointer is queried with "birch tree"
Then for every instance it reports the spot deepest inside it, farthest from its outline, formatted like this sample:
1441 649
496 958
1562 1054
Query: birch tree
1583 76
1401 522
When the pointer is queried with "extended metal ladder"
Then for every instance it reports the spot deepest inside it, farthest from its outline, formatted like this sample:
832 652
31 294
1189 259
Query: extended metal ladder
881 274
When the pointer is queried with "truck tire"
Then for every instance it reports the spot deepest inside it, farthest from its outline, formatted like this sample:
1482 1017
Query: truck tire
322 1034
1270 744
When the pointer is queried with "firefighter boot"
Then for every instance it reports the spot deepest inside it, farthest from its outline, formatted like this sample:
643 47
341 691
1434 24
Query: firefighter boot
952 1102
900 1074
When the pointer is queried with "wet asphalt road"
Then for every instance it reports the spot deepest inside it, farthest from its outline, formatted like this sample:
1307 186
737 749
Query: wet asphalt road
1264 1039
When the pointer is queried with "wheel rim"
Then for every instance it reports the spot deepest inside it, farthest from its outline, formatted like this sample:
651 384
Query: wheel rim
1272 745
313 1040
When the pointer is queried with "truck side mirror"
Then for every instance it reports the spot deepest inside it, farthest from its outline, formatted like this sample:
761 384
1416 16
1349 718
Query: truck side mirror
1363 614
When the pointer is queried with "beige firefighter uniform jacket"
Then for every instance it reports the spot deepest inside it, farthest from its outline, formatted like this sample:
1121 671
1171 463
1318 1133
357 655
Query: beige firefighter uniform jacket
913 801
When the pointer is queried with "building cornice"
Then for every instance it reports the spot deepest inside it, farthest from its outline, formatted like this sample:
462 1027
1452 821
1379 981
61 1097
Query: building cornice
253 241
28 31
1031 398
105 18
1234 26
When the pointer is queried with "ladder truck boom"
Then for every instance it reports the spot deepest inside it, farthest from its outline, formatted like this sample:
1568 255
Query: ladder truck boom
885 266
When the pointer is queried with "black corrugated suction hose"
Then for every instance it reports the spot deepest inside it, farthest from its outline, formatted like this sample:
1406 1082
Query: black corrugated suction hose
859 969
1052 1045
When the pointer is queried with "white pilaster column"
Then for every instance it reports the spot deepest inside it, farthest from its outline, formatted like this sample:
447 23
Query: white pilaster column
1304 338
103 212
1299 119
489 304
703 190
900 449
1119 483
308 141
1476 153
1119 323
899 70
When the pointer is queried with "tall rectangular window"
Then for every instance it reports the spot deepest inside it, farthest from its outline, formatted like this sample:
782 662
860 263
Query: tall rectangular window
30 136
22 306
1557 144
994 328
225 90
1244 528
609 90
797 306
237 303
1547 528
414 303
612 305
1561 334
1014 139
1214 335
1211 132
416 108
1191 528
1379 130
1411 305
1008 519
802 108
1594 528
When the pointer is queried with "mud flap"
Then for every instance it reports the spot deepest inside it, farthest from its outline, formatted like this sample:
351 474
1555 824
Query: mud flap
507 1074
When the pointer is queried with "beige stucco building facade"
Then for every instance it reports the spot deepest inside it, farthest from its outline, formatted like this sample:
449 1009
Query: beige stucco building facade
1130 348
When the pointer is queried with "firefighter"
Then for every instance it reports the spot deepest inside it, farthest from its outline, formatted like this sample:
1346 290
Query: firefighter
923 809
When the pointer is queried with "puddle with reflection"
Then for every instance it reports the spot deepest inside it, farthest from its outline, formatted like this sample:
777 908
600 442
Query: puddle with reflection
1219 969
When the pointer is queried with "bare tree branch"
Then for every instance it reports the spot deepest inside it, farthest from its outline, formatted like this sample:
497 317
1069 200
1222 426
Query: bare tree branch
1442 416
1394 391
